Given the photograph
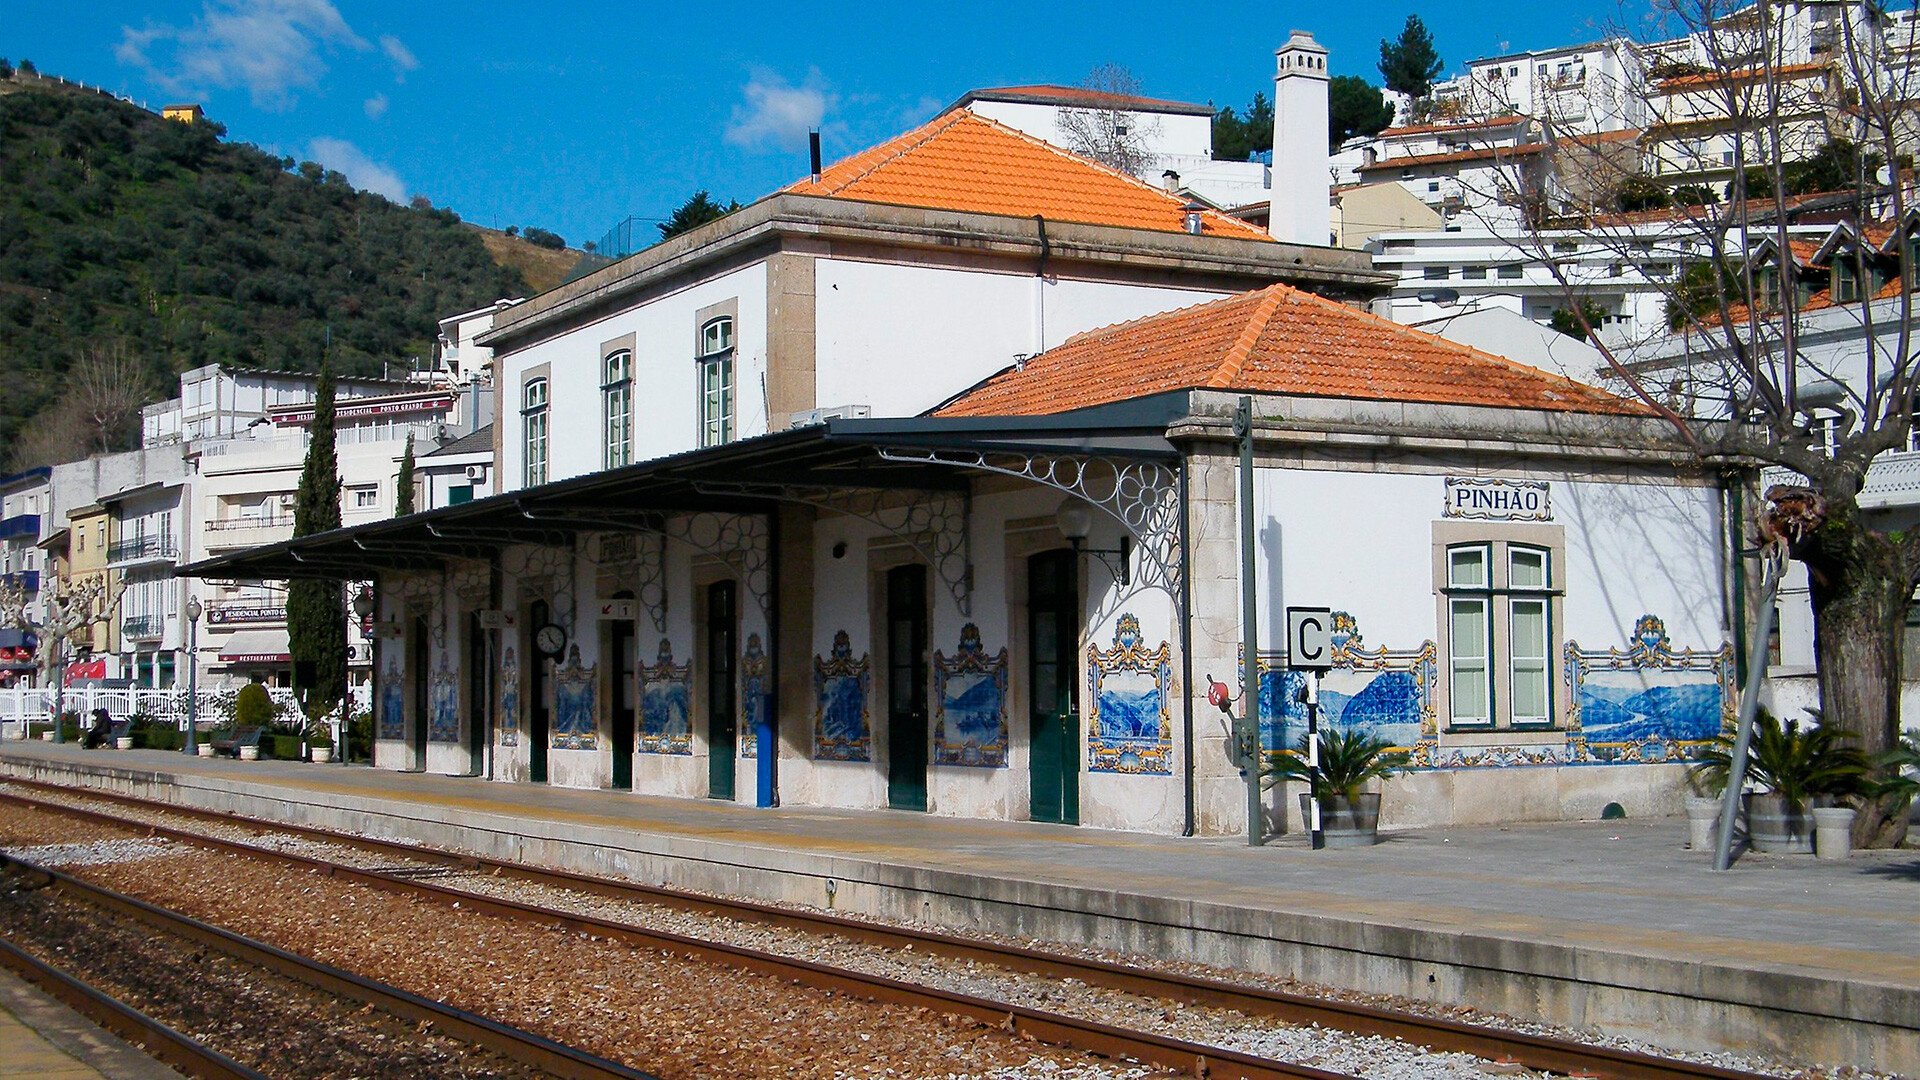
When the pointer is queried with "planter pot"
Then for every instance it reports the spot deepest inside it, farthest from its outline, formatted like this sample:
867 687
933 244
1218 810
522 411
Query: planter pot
124 742
1703 818
322 754
1775 827
1833 831
204 749
46 736
249 753
1344 824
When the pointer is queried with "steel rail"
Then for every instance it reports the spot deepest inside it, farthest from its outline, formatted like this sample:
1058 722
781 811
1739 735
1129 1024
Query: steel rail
534 1051
181 1052
1537 1052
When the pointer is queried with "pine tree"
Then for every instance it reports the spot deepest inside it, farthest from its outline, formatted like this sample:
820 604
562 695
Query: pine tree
403 495
1410 63
316 609
1354 108
695 212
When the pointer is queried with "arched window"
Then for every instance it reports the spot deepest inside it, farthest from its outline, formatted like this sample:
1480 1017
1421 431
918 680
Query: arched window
533 420
616 391
716 381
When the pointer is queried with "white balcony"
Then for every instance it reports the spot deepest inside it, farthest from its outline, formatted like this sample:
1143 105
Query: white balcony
246 532
1893 481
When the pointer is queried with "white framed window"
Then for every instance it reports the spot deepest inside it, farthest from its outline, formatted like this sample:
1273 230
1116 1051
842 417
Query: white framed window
1469 636
533 421
363 496
1529 634
616 391
716 381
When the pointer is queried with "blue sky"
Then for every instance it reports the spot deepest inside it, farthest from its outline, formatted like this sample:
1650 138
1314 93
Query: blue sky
571 117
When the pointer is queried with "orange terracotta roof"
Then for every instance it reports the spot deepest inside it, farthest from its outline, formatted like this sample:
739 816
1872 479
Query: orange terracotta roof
1738 314
1414 160
1050 94
966 162
1274 340
1786 71
1467 125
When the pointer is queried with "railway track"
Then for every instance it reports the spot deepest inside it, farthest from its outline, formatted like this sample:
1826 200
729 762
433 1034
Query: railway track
539 1056
1534 1052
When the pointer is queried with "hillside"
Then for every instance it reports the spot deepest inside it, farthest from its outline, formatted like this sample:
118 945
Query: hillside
541 268
160 246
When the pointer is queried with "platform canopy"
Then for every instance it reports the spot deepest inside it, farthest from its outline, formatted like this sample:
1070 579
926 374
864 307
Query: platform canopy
744 477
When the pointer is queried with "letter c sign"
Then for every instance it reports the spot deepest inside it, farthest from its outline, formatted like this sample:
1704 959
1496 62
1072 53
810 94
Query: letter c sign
1309 638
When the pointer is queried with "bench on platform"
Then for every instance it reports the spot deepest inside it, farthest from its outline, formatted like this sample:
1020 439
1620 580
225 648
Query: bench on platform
246 736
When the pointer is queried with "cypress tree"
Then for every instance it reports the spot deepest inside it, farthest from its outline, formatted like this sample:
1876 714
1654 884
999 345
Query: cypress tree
317 610
1410 63
403 495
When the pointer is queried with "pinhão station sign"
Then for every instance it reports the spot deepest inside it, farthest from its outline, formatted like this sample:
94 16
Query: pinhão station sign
1481 499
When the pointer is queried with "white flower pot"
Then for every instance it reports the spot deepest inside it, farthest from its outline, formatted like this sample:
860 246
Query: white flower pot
249 753
1703 815
124 742
1832 831
46 736
322 755
204 749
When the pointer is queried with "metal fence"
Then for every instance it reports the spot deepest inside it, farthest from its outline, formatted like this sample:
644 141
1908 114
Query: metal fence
20 707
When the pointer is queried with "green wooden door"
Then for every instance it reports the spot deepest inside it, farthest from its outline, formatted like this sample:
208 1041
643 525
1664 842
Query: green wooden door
625 687
907 734
723 711
539 696
1053 618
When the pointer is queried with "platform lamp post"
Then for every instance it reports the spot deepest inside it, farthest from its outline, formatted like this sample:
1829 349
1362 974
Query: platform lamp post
363 609
193 674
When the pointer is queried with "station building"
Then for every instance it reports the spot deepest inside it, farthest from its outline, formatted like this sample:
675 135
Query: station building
1011 605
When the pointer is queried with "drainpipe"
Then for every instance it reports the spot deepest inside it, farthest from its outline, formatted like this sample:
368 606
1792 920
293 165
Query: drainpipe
1040 288
1186 648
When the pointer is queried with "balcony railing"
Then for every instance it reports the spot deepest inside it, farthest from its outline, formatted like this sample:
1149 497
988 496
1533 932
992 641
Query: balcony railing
245 614
142 547
143 627
273 521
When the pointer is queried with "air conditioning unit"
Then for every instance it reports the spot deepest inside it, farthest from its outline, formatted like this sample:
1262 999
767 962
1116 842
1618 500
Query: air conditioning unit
360 653
834 412
477 473
287 500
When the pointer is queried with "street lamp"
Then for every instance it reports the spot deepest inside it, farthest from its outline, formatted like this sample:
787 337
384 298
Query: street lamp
1074 519
193 673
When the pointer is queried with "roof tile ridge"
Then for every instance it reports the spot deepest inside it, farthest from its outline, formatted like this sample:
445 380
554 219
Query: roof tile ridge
1235 359
907 142
1094 332
1449 345
1126 177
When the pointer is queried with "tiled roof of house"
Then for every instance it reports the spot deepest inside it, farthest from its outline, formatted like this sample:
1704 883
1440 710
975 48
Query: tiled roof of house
1275 340
1752 74
1477 154
1049 94
1458 125
966 162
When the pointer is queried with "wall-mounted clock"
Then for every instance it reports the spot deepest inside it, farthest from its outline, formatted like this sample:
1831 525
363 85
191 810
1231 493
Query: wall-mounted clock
550 640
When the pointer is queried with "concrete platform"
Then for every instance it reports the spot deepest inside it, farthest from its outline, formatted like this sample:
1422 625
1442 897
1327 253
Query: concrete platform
46 1040
1610 925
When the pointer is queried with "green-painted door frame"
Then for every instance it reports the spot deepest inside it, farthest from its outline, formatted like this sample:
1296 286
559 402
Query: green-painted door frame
907 662
723 702
1053 620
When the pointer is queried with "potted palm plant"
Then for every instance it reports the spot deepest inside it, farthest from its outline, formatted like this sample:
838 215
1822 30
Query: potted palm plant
1793 769
1349 760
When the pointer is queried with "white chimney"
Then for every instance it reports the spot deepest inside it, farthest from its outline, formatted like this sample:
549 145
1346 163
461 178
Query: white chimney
1302 176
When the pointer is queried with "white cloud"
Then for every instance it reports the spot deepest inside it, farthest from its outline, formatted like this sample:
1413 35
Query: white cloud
270 47
360 170
376 106
777 115
402 57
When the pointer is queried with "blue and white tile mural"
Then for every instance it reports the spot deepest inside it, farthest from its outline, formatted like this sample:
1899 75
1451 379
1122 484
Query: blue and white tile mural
1645 703
970 704
1385 693
573 721
841 688
510 697
393 700
1648 702
443 705
753 694
666 695
1131 729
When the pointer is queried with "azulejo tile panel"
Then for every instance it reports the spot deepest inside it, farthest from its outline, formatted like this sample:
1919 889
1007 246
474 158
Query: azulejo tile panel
842 729
1648 702
1130 729
666 694
510 697
970 704
573 720
393 702
443 705
753 694
1382 692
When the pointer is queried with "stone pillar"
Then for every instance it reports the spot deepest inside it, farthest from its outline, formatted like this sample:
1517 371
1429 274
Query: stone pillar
1213 561
792 646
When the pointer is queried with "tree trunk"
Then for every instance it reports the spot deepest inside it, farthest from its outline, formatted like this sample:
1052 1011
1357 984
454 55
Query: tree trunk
1861 582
